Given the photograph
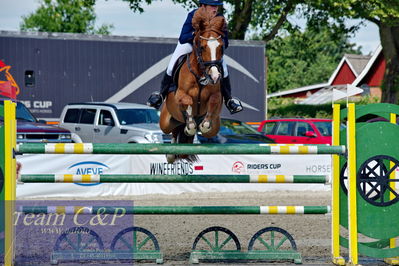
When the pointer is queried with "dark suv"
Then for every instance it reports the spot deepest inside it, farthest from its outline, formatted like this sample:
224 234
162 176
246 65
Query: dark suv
29 129
235 131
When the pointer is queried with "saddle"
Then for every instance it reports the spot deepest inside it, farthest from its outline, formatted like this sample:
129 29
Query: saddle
175 72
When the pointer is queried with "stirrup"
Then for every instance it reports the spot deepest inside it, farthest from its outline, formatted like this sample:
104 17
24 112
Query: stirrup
234 106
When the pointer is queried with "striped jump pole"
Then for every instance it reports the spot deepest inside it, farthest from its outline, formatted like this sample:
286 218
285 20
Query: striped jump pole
123 178
178 210
135 148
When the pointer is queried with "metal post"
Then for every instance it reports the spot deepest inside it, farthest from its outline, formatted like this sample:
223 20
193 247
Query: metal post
335 226
352 197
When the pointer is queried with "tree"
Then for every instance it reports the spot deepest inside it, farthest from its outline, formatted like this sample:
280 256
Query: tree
305 58
385 14
243 13
75 16
269 17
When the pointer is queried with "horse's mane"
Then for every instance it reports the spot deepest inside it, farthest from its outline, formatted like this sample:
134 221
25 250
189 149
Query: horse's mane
203 21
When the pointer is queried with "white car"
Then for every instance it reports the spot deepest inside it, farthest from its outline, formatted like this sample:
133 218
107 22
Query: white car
100 122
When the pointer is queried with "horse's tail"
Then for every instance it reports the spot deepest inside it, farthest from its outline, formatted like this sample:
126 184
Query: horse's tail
181 137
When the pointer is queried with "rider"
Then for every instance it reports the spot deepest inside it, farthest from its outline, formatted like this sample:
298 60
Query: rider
185 46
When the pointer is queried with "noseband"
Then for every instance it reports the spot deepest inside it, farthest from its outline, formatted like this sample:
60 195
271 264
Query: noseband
205 78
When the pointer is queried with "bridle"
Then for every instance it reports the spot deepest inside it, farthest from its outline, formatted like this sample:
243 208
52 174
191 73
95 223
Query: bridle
204 66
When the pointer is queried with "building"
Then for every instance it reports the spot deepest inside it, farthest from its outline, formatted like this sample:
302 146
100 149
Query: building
362 71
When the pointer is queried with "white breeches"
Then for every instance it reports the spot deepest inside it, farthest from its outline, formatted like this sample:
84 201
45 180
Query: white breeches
185 48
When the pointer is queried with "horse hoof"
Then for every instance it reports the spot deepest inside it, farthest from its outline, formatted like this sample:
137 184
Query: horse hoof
190 130
170 158
205 127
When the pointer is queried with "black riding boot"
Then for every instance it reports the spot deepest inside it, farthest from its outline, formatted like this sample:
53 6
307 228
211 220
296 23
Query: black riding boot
233 105
156 98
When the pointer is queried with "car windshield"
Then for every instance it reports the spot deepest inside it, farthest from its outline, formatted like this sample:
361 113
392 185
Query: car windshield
137 116
23 113
233 127
324 128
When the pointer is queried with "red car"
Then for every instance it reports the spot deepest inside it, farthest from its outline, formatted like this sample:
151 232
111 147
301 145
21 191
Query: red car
298 130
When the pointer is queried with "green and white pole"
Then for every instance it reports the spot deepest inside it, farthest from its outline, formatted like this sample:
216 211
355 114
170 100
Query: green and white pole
139 148
140 178
176 210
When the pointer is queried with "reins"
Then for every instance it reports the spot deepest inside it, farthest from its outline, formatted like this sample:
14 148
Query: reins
204 79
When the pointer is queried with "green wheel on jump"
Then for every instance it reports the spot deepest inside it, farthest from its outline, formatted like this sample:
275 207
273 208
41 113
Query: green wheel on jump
216 243
76 242
274 243
216 238
273 239
137 241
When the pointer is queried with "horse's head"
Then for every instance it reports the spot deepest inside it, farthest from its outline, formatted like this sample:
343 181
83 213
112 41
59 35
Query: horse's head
208 44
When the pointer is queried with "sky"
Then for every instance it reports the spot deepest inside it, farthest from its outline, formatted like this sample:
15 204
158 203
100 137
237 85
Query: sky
161 19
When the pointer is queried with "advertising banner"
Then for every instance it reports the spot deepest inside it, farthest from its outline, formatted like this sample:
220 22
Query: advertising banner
157 165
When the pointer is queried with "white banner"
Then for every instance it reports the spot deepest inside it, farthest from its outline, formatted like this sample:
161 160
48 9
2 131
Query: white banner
156 164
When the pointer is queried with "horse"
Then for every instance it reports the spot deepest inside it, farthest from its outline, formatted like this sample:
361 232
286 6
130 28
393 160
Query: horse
197 99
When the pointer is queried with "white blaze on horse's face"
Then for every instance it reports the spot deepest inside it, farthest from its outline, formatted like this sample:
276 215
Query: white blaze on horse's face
213 44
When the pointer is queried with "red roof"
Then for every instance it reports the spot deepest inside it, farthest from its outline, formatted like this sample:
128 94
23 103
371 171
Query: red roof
375 74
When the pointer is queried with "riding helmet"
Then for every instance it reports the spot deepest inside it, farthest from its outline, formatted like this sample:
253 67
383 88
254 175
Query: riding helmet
211 2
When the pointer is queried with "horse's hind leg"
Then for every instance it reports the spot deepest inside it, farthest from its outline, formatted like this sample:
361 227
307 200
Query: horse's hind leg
166 121
170 158
180 137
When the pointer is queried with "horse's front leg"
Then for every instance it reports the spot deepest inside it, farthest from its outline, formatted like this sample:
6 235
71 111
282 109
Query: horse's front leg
213 110
191 126
186 103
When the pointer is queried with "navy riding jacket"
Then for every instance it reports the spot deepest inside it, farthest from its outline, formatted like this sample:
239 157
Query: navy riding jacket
187 32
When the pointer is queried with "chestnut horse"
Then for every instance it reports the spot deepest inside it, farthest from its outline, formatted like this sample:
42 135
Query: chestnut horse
197 99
